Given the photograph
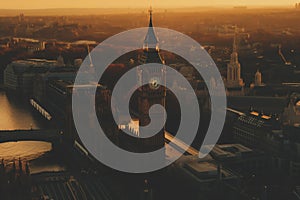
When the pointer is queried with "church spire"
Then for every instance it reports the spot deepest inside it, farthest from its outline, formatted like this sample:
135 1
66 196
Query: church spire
234 55
235 45
234 79
151 40
150 12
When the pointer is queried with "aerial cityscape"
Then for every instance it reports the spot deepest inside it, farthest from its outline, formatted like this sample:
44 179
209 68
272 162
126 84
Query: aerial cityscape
50 57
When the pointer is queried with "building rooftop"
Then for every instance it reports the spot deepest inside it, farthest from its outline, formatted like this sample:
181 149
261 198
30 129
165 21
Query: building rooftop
262 103
230 151
206 171
203 167
34 62
50 68
259 119
66 86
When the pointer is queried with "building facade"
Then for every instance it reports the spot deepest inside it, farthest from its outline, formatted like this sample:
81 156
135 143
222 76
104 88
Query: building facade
276 135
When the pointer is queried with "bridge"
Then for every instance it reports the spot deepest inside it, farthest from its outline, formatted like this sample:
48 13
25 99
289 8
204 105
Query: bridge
29 135
52 136
180 145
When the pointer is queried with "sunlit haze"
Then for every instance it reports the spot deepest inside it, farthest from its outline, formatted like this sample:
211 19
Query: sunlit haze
36 4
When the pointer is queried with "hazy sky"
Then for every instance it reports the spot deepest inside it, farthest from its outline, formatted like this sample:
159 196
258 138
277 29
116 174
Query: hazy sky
29 4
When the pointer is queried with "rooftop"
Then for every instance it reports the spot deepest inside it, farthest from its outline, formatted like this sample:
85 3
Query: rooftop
65 86
203 167
230 150
34 62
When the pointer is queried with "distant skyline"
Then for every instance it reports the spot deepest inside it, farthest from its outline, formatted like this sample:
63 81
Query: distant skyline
43 4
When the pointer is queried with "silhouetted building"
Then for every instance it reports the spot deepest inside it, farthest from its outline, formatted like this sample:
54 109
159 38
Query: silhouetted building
206 175
291 114
21 18
234 82
258 78
41 81
293 132
276 135
59 95
257 82
240 159
253 129
60 61
19 76
28 44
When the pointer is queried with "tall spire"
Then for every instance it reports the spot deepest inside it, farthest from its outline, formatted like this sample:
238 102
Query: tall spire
235 48
234 55
89 54
150 47
234 79
151 40
150 12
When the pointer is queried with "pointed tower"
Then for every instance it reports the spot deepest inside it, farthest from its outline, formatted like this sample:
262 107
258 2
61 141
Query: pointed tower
258 78
151 45
234 80
90 57
60 61
152 93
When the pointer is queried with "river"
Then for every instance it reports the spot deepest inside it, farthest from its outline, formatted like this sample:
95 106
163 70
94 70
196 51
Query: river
18 114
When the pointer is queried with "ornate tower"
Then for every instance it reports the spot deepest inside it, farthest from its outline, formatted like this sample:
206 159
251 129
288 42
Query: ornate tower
234 80
258 78
152 93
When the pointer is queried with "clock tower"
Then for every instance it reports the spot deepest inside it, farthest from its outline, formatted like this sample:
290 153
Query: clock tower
153 92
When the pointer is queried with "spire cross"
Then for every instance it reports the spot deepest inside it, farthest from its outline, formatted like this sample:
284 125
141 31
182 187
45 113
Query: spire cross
150 9
150 12
150 39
